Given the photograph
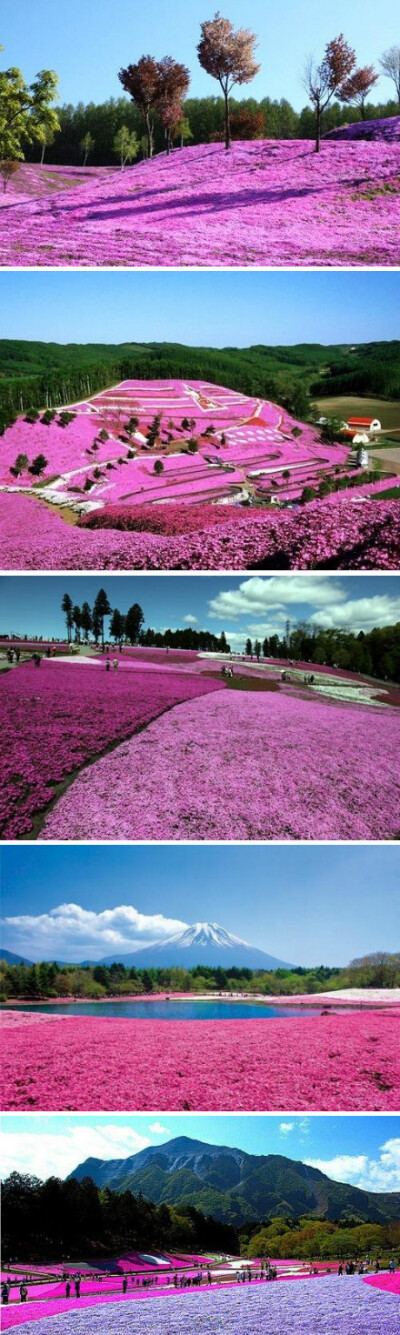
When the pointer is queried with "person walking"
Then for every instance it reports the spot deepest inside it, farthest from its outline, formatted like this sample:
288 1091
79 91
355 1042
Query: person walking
77 1286
4 1293
23 1292
68 1289
124 1284
115 664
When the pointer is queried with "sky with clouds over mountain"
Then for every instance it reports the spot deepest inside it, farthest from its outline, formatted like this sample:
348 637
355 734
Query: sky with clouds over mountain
364 1151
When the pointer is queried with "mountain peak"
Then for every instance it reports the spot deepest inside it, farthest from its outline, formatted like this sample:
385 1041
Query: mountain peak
200 943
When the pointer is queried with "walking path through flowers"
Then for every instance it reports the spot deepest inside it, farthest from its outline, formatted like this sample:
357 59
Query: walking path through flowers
328 1306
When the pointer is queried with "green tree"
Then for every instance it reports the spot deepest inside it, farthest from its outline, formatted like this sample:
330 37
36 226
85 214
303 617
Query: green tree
117 625
25 110
134 621
67 608
86 620
249 648
38 465
77 620
20 466
158 467
101 610
126 146
87 146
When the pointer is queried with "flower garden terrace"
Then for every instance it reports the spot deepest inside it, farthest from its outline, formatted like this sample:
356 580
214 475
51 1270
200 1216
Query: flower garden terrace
86 751
322 1304
161 474
267 202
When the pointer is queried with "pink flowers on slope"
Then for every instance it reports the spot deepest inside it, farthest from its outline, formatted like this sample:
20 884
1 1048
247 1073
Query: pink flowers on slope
265 203
58 717
344 536
243 766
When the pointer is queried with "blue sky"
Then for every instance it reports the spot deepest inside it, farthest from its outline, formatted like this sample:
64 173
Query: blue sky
87 43
305 905
362 1150
209 309
255 606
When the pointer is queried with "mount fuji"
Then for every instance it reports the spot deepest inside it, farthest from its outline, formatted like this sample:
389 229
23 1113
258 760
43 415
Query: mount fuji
202 943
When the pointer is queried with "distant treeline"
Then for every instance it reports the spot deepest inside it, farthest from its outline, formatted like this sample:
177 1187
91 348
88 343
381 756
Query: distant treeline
46 980
375 653
265 119
43 375
42 1219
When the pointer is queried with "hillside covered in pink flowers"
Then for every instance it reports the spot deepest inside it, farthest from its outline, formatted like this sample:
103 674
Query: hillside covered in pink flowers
266 203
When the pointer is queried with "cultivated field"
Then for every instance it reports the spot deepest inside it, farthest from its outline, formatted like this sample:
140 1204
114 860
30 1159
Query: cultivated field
268 202
146 465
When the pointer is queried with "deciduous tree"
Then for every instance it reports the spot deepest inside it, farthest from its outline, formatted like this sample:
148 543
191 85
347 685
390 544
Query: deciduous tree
390 66
358 87
126 146
324 81
227 56
142 82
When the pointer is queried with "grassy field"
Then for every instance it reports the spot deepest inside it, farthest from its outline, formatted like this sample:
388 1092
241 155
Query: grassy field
387 412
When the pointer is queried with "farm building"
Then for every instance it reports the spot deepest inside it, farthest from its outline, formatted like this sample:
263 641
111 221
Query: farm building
366 425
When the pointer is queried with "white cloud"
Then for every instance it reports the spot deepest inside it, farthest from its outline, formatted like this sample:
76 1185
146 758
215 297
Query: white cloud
359 613
69 928
285 1128
305 1126
46 1153
258 594
192 621
382 1174
158 1130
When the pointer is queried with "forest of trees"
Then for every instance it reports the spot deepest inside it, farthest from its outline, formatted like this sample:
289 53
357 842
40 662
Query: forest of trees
45 1221
83 621
44 375
45 980
375 653
204 117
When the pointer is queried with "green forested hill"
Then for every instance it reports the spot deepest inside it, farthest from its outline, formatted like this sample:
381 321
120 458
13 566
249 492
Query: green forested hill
34 374
234 1186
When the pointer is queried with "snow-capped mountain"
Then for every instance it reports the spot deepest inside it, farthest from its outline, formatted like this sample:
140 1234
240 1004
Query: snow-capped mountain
202 943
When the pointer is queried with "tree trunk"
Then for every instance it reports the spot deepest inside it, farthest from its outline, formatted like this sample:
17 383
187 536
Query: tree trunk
149 129
318 131
227 121
43 153
85 157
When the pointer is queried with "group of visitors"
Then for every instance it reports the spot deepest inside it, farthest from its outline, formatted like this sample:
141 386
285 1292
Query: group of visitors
226 671
6 1290
114 664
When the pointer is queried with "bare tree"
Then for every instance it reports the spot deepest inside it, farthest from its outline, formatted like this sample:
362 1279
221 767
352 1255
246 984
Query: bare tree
390 65
359 86
142 82
229 57
324 81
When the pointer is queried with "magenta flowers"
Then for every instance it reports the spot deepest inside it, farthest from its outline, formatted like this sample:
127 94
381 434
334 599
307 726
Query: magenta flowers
265 203
337 1061
58 717
243 766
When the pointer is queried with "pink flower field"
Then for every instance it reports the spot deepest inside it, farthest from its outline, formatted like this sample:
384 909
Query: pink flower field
327 1063
270 202
58 717
256 453
347 536
239 765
